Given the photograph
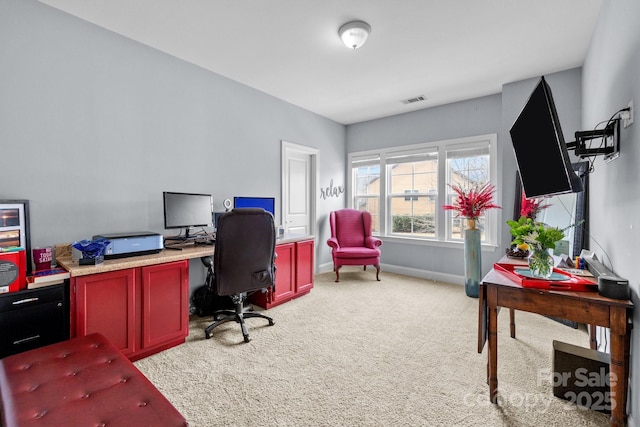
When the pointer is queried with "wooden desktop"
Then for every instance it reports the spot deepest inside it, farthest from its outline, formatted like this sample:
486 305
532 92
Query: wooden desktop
141 303
497 290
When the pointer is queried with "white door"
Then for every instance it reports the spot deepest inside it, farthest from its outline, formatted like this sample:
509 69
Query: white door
298 188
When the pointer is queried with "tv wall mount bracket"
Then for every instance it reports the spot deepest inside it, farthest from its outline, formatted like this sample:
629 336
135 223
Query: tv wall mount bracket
609 147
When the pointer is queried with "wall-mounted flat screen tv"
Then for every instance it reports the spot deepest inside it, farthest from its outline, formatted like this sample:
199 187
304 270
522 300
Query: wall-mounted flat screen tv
266 203
540 149
186 210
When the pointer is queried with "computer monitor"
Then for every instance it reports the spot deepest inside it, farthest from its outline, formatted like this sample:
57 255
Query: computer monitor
187 210
266 203
216 217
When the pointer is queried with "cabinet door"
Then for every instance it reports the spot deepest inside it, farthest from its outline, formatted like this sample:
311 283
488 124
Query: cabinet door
304 266
105 303
285 272
165 303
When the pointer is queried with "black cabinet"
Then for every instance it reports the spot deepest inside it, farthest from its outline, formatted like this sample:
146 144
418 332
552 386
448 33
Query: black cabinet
33 318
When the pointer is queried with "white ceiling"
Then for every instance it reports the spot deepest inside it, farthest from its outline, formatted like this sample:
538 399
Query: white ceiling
446 50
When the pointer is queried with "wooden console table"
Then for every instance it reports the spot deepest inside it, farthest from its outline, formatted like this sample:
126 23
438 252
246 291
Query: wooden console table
496 290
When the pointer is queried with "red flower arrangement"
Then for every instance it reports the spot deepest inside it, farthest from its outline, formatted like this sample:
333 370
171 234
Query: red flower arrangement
530 208
473 202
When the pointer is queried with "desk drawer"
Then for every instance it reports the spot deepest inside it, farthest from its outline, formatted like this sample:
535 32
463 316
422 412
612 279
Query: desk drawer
33 318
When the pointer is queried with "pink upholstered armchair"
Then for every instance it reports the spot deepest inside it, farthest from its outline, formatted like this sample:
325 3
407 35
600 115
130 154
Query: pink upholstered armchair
351 241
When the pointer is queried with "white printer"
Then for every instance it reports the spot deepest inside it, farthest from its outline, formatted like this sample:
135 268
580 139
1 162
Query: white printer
131 244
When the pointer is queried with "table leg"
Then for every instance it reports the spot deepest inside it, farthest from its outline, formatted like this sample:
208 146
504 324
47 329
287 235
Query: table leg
593 341
512 322
493 344
618 369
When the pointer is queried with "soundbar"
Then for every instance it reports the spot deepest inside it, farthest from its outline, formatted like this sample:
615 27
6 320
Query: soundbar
609 284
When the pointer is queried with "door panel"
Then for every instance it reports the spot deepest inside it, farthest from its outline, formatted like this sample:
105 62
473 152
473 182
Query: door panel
285 272
304 266
106 304
298 188
164 303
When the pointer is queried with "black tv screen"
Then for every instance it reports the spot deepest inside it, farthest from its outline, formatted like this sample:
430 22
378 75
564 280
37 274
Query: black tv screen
540 149
184 210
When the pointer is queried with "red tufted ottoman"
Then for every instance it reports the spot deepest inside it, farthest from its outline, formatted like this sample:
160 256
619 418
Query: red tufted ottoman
82 382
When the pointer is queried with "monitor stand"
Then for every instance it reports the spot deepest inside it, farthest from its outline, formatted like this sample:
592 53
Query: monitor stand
187 239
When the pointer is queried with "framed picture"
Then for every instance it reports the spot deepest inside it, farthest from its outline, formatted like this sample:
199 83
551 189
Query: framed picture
14 227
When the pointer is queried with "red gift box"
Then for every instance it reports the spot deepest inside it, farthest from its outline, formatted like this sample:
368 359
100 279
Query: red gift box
13 274
562 281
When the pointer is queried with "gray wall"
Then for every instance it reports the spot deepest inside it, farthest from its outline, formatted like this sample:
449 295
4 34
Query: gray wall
94 126
490 114
566 87
611 78
473 117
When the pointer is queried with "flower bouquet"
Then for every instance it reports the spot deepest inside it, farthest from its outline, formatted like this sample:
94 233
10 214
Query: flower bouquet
471 203
532 207
538 238
529 208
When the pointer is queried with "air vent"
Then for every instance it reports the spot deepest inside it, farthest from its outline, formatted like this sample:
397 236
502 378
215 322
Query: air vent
415 99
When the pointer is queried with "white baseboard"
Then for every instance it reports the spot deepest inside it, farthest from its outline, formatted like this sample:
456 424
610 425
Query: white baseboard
406 271
325 268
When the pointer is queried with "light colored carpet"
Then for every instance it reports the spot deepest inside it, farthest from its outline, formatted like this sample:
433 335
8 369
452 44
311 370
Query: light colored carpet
399 352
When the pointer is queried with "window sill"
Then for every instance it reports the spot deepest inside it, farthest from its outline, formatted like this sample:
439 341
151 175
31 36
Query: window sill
486 247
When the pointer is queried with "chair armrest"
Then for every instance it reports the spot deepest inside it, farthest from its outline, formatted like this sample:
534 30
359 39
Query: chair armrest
333 242
372 242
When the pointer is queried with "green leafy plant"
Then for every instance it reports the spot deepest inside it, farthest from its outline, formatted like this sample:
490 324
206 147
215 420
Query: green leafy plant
536 235
539 238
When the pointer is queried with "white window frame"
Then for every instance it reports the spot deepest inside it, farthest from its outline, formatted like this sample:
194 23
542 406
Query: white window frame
493 216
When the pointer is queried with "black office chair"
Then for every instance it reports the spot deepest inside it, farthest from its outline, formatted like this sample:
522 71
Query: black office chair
243 262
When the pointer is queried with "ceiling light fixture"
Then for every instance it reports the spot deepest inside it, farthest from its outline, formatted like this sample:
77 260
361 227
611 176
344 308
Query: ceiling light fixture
354 34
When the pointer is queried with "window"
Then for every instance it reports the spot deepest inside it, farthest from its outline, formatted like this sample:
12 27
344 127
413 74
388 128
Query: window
415 174
466 168
366 191
404 188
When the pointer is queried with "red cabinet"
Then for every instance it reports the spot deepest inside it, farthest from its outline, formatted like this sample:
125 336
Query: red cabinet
141 310
106 303
294 274
285 274
304 267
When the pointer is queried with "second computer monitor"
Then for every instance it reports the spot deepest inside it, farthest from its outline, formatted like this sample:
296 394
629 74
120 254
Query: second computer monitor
266 203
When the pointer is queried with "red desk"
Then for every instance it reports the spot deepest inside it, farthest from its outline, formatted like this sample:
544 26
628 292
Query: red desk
496 290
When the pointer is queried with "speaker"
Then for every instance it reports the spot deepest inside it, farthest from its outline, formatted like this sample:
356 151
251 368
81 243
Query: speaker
613 287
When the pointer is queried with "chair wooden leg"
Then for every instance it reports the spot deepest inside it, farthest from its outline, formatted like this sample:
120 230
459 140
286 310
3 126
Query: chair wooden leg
377 266
337 274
